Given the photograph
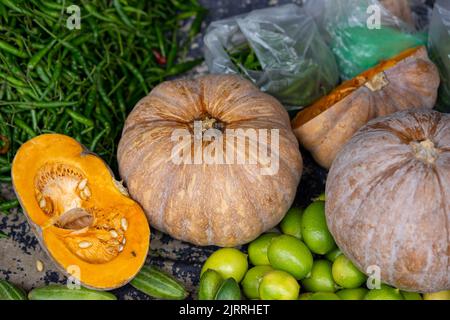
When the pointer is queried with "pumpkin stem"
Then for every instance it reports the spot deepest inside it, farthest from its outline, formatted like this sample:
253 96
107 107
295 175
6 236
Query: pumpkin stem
209 122
377 82
425 151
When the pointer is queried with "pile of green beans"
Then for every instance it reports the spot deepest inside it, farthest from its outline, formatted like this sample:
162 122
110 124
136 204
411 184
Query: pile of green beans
83 82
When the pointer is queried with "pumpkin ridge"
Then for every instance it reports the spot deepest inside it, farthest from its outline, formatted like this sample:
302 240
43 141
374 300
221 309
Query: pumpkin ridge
391 265
446 217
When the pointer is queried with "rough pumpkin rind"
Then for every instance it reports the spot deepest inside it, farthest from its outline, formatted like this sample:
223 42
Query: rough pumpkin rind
79 212
206 204
407 81
388 199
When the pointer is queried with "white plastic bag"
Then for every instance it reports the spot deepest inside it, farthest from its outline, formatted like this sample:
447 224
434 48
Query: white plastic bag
297 66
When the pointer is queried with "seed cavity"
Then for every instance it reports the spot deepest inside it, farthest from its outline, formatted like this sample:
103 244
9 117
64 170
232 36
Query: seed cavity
75 219
84 244
124 224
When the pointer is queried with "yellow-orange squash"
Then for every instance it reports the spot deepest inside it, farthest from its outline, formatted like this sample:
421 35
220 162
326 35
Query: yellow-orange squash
388 199
409 80
198 200
81 215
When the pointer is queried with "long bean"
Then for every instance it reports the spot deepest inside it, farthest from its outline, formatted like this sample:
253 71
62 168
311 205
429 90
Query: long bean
84 82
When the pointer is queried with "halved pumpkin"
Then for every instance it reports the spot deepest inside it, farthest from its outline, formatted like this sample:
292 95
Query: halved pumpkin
406 81
81 215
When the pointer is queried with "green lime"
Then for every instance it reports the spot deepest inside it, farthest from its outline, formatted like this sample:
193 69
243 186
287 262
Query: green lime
229 290
440 295
315 232
320 197
257 249
229 262
320 278
333 254
352 294
292 223
210 283
345 274
324 296
291 255
305 296
278 285
411 295
252 279
384 293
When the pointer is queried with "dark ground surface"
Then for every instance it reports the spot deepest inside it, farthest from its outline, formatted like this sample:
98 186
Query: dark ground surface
20 251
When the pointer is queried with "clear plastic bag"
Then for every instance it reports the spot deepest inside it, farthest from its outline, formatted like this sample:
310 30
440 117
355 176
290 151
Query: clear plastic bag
296 65
439 48
356 46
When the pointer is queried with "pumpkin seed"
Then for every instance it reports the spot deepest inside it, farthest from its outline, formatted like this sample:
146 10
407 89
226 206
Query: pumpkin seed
124 224
114 233
84 244
120 248
42 203
82 184
87 191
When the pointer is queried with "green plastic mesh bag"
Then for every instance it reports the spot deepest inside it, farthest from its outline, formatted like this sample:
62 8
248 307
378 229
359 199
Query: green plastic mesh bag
356 46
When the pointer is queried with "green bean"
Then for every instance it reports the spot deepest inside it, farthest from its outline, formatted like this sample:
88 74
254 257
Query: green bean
42 75
159 36
122 14
5 179
39 55
2 235
197 23
78 117
183 67
12 50
173 51
137 74
96 139
7 205
25 127
12 80
39 104
10 4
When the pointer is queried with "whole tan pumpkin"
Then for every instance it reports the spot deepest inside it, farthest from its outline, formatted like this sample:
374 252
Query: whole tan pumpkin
388 199
204 202
409 80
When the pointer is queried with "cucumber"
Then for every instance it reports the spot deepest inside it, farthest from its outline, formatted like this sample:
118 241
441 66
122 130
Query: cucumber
158 284
229 290
8 291
60 292
210 283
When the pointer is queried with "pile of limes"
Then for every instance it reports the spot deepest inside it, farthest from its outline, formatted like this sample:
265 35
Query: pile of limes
302 262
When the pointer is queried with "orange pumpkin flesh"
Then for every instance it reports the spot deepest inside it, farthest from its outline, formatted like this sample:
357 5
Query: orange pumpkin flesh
80 214
408 80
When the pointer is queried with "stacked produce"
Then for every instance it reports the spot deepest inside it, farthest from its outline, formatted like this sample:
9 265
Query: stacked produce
191 151
300 262
407 81
387 199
